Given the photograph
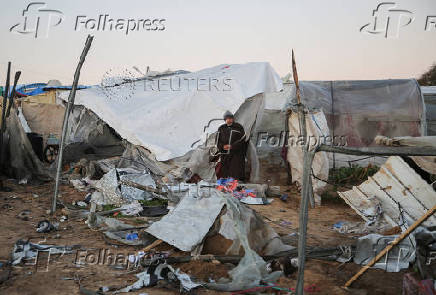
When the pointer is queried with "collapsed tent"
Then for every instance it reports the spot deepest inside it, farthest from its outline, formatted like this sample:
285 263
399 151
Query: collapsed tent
172 122
155 118
20 160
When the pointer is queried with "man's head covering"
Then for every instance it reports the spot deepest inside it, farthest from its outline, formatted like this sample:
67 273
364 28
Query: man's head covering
228 114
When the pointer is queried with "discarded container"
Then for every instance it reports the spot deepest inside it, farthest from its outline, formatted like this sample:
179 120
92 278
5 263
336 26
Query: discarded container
132 236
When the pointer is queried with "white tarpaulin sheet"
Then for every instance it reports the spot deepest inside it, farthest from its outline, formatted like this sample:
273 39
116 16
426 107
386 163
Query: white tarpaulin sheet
317 133
168 121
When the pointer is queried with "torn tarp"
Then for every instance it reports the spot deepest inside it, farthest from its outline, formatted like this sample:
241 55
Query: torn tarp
252 269
187 225
162 271
197 216
119 194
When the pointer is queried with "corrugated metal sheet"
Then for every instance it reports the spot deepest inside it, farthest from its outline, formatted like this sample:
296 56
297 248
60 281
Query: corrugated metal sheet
395 193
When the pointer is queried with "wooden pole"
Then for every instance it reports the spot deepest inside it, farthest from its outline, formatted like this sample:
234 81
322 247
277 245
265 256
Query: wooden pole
3 118
70 104
11 98
380 151
390 246
306 192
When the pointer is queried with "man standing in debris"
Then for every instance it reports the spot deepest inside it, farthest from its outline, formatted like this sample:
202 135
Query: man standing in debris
232 148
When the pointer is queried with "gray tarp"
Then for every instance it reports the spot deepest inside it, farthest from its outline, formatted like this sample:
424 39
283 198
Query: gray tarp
360 110
429 93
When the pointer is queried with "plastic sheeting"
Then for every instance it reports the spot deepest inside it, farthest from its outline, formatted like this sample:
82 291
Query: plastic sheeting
198 215
429 93
360 110
20 161
168 123
44 118
317 132
113 193
268 140
252 269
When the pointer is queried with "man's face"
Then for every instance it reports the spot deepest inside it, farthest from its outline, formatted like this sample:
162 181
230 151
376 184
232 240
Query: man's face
229 121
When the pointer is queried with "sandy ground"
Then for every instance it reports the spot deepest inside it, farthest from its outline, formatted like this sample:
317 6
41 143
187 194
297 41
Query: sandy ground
62 274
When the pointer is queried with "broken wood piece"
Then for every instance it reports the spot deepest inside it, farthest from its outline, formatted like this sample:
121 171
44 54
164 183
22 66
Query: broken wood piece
390 246
142 187
152 245
314 253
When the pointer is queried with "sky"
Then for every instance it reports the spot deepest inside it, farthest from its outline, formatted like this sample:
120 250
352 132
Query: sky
326 36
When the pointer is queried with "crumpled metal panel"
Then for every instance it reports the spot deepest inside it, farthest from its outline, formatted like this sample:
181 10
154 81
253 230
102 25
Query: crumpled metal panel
401 194
396 259
187 225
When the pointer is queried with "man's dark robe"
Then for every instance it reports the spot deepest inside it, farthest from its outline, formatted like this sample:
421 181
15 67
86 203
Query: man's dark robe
233 160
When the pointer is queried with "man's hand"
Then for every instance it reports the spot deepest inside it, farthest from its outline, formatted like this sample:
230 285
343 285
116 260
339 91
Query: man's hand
227 147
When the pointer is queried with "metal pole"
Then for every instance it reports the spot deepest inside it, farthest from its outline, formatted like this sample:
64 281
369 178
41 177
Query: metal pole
306 193
379 150
70 103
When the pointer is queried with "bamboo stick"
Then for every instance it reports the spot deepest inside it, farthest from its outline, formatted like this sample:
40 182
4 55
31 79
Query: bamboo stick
390 246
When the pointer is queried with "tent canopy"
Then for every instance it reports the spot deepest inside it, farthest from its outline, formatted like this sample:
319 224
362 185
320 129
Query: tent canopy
168 122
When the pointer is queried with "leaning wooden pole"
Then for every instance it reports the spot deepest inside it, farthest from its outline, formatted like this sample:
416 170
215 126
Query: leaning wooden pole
4 105
306 191
13 93
70 104
390 246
